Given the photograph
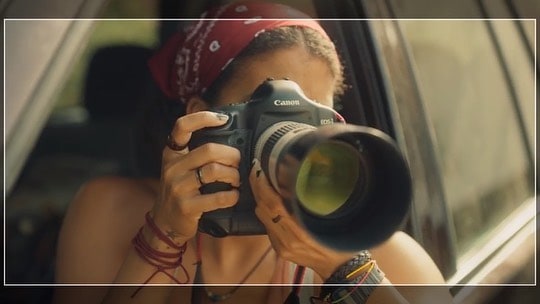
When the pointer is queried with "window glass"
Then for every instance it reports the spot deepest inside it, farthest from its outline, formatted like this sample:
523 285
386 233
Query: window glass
71 149
481 148
110 32
520 66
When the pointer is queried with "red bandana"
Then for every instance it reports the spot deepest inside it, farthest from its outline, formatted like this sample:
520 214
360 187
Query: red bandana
192 59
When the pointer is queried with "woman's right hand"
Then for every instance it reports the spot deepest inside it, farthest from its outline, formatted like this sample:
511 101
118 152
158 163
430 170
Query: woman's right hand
180 204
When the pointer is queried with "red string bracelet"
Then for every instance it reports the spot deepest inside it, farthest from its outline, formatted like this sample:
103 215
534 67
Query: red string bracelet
157 232
160 260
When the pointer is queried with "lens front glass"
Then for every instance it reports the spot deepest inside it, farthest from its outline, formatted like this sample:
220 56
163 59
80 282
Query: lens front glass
327 177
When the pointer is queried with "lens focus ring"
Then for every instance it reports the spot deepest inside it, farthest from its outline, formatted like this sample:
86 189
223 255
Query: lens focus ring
275 137
272 141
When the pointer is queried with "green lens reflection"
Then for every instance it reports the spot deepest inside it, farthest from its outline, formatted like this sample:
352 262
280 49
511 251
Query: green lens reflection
327 177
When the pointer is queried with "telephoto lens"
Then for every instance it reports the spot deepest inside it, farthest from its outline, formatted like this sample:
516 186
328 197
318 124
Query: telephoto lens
348 185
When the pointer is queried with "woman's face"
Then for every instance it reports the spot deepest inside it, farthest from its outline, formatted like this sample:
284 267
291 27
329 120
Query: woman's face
310 72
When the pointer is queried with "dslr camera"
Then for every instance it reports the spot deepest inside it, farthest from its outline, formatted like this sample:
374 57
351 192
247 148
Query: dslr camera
348 185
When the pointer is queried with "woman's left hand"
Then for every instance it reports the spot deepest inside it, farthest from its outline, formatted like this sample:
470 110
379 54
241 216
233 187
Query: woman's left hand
289 239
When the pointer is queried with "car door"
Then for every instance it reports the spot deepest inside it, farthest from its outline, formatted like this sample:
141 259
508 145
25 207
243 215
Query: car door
458 95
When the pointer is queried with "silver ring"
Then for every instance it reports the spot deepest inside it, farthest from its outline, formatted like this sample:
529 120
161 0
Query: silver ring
199 174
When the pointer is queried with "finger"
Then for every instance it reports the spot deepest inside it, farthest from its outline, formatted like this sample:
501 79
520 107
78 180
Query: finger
287 233
184 185
188 183
266 216
186 125
210 153
216 172
263 192
213 201
270 204
284 238
288 238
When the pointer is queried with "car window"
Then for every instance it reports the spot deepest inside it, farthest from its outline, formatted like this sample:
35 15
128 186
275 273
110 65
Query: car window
106 33
66 146
478 119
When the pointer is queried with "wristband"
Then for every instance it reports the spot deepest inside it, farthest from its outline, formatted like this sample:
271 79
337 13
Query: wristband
353 282
343 272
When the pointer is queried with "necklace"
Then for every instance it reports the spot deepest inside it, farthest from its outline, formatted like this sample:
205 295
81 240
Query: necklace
214 297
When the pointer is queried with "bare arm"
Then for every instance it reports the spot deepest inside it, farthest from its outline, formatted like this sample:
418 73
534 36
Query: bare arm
96 237
410 274
405 264
95 241
95 246
401 258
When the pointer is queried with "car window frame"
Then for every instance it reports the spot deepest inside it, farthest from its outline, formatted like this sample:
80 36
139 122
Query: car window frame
431 220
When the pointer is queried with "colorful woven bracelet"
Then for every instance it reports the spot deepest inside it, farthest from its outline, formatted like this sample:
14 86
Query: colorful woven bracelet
353 282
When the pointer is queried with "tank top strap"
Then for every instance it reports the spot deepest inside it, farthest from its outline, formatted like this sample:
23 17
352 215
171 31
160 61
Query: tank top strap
307 279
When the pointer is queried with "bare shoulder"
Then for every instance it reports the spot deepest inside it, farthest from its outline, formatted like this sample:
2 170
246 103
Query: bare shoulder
116 187
98 226
118 200
405 261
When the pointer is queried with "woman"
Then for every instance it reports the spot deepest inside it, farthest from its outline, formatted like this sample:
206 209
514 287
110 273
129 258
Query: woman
144 232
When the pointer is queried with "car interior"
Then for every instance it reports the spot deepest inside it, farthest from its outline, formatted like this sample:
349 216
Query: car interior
106 134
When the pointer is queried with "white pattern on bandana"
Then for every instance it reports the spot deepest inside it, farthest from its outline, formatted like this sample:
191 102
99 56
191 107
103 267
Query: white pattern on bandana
259 32
226 64
194 30
183 61
241 9
252 20
183 86
214 46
